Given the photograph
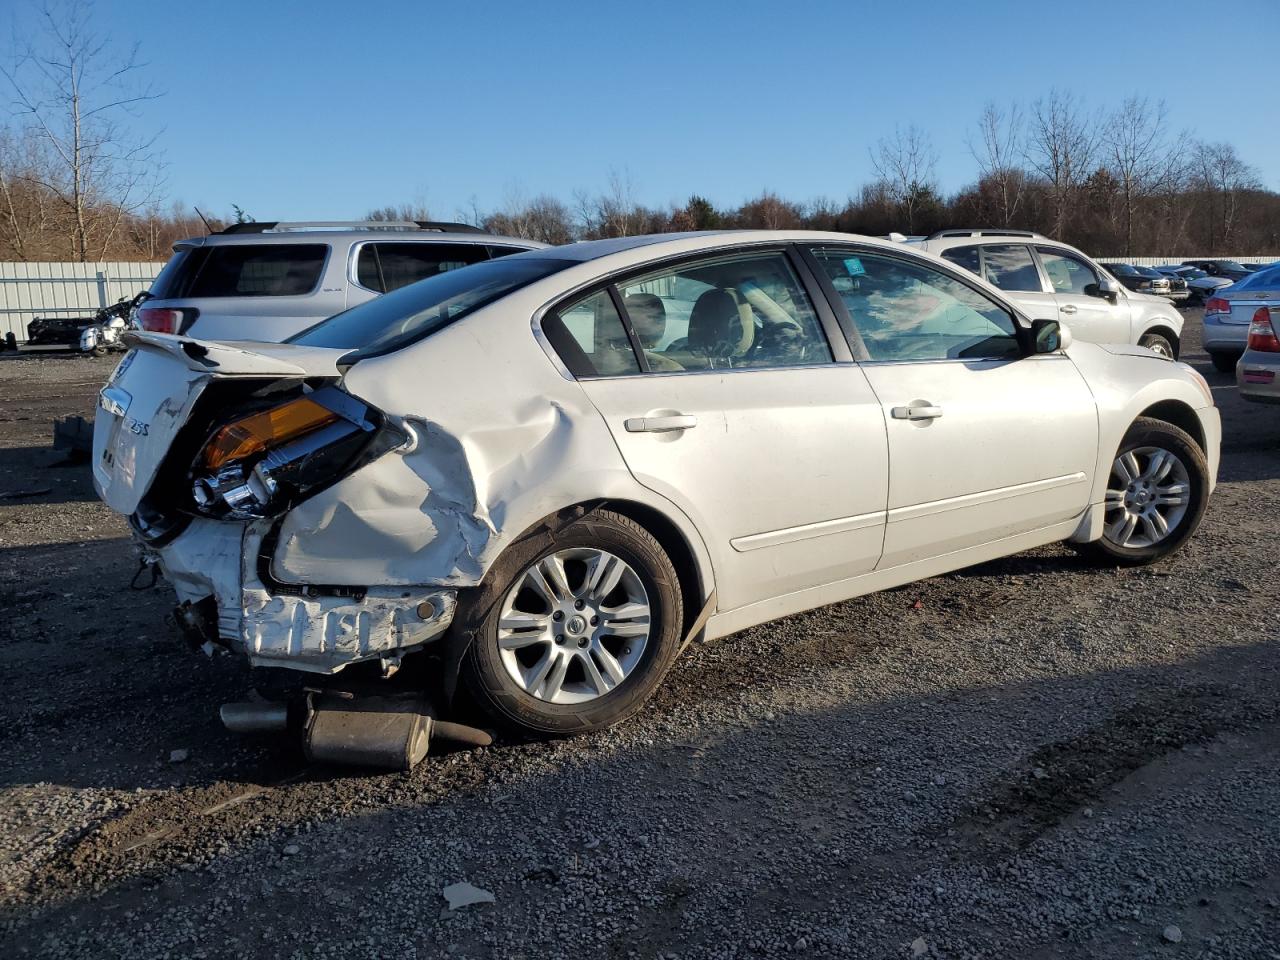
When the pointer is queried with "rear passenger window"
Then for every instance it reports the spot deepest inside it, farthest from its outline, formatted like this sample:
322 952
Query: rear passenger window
590 338
254 270
966 257
1010 267
725 313
384 267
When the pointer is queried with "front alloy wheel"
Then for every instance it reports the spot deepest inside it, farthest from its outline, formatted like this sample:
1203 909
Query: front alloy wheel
1147 497
1157 492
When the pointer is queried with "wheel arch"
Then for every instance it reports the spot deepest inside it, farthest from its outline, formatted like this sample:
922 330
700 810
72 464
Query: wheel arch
695 584
1181 415
681 541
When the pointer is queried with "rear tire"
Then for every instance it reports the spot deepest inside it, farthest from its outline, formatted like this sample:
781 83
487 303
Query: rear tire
1157 492
616 635
1223 362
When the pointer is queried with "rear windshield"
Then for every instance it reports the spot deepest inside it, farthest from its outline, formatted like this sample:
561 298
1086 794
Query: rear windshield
411 313
243 270
1268 278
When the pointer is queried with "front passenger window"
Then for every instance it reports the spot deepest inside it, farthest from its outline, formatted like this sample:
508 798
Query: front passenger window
1067 274
909 311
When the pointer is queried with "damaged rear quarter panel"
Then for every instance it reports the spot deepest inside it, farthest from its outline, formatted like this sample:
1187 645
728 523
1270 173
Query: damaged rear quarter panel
501 440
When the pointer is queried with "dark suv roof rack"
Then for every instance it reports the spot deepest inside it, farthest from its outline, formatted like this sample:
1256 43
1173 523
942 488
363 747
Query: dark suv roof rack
265 226
986 232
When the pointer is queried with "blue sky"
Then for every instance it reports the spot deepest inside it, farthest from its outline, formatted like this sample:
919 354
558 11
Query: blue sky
319 110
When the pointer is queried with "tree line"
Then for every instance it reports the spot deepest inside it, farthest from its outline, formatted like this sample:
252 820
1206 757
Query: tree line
78 183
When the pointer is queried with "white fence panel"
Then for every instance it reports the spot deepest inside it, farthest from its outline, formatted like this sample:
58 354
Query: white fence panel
30 290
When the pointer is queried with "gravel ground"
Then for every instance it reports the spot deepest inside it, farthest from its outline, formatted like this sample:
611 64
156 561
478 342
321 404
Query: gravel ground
1034 757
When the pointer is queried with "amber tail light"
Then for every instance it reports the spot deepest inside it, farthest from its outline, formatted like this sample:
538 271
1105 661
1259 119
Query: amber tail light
263 431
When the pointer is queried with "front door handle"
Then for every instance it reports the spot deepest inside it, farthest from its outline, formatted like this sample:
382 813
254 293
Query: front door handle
659 424
917 411
1069 308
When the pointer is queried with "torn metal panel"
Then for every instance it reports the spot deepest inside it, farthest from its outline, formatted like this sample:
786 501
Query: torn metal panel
205 560
481 470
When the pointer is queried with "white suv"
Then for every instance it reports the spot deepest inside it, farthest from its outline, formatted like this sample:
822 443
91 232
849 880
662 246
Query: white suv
267 281
1052 281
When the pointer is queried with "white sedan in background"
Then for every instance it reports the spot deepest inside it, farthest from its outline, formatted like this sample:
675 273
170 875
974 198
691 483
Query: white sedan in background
555 469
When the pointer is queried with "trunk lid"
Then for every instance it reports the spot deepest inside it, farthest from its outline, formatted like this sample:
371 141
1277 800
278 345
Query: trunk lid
152 392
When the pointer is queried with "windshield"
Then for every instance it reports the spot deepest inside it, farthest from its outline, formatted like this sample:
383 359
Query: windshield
1268 278
1192 273
1122 269
418 310
1148 272
1232 265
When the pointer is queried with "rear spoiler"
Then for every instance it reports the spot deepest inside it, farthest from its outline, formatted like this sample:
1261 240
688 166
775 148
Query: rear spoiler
235 360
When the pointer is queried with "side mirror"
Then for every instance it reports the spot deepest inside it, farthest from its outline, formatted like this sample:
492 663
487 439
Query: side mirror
1108 289
1049 336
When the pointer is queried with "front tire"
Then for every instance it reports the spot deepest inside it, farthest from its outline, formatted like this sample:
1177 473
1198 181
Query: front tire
580 628
1158 343
1156 494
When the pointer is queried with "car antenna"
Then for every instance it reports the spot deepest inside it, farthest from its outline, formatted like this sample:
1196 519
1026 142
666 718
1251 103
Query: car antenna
202 217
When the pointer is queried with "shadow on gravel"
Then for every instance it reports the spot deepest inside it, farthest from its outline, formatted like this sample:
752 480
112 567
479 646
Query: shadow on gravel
865 794
43 476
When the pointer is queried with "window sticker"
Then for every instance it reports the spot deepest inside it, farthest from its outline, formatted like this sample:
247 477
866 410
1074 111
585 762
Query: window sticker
855 267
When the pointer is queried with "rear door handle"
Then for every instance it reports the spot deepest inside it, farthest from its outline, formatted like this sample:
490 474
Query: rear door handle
922 411
659 424
1069 308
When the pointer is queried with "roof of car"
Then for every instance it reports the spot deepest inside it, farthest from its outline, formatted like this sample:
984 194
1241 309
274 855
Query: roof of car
324 232
595 249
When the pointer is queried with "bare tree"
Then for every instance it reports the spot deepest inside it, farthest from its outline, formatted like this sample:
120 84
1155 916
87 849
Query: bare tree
543 218
1140 155
400 212
74 90
999 150
906 164
1060 146
1219 171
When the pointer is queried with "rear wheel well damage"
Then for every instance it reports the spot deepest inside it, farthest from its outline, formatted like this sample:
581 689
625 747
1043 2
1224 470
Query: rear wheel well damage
1180 415
474 602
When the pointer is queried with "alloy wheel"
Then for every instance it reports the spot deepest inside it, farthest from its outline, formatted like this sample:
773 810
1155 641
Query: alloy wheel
1147 497
574 625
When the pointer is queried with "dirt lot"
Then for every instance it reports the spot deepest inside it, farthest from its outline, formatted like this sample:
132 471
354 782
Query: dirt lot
1033 758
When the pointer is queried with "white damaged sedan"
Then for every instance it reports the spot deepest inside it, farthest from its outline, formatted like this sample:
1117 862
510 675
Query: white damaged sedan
555 469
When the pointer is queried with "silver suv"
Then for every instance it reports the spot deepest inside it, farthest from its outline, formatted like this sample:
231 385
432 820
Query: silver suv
1052 281
268 281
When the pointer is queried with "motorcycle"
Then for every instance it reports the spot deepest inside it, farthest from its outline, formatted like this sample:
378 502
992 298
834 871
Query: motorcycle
105 332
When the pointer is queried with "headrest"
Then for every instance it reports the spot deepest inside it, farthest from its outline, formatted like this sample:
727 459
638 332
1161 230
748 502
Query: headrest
714 322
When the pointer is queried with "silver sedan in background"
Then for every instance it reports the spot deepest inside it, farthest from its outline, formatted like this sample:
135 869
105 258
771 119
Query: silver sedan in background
1230 313
1258 372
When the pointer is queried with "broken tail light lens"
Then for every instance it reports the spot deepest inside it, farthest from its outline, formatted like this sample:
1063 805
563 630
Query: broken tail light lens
1262 332
260 432
260 464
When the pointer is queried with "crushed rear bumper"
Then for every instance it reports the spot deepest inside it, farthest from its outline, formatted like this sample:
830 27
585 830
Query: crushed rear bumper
300 627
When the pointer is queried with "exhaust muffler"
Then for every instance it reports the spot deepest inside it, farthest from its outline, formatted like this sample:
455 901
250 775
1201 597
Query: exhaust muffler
384 732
